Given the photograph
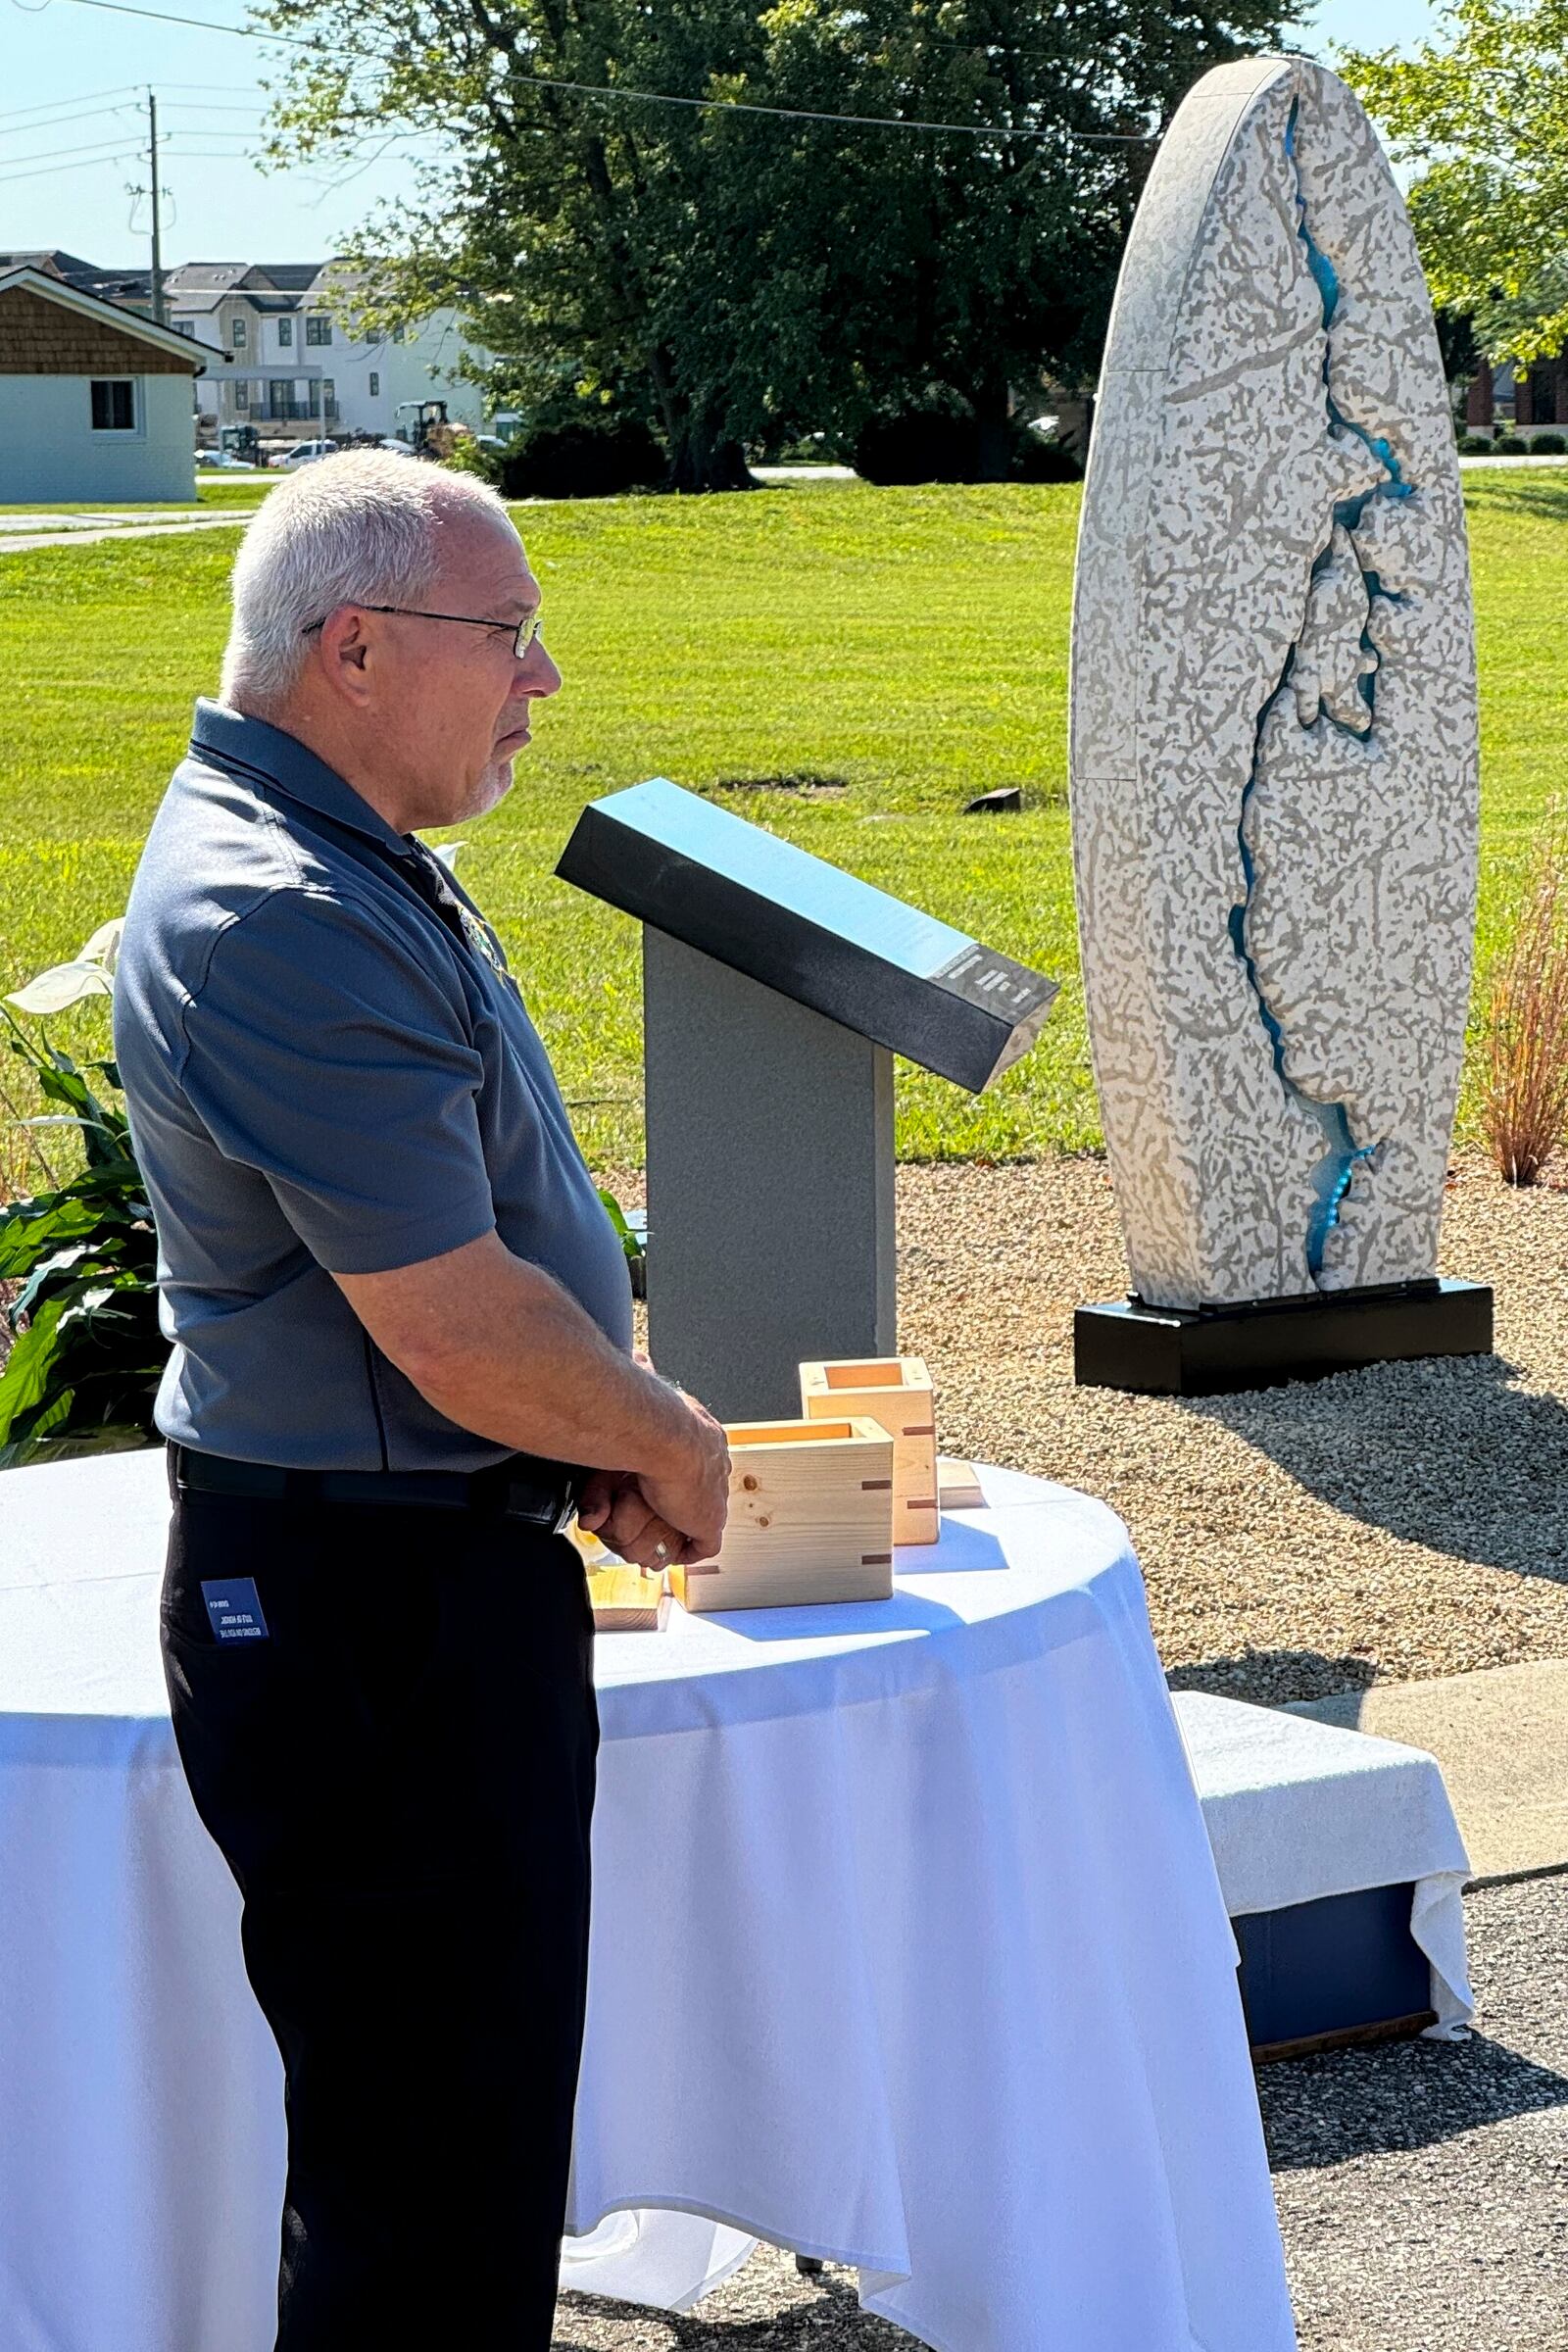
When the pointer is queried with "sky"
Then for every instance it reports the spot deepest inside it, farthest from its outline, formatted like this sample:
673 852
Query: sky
73 125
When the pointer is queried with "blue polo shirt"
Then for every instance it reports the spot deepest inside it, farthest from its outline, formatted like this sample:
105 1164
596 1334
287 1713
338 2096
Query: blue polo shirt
328 1069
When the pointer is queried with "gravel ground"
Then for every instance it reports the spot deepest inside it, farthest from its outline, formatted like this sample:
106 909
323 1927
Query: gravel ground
1394 1523
1422 2188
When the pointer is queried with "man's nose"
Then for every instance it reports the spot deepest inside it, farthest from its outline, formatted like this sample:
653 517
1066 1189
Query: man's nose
536 672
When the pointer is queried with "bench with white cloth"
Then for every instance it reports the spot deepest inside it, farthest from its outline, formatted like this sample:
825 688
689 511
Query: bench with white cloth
1301 1812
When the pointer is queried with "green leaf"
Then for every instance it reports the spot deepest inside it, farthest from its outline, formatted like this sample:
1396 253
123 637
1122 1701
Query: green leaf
46 1275
110 1437
628 1239
33 1230
32 1369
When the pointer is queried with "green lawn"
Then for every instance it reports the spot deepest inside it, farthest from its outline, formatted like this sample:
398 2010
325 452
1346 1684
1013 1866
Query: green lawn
847 666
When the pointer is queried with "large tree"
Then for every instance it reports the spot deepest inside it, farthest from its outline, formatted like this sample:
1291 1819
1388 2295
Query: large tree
1486 113
744 275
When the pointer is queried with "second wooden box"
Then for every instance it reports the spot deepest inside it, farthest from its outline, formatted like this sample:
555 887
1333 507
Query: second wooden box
895 1389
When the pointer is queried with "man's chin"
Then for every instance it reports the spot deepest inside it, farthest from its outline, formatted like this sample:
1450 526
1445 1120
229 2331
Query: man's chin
492 788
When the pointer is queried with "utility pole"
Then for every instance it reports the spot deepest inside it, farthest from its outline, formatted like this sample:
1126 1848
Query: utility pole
158 247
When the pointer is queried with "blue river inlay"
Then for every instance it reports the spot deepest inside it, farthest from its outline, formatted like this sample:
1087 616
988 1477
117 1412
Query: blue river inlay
1331 1178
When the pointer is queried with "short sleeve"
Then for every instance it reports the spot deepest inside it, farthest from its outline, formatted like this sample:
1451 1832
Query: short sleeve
328 1056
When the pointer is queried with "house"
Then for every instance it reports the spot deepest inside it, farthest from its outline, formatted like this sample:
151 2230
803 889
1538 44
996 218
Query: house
284 358
1517 401
95 402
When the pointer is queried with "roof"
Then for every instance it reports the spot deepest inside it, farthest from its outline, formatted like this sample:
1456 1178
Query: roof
55 264
222 276
266 286
92 306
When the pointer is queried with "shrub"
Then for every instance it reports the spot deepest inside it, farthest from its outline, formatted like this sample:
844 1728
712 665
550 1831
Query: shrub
923 445
583 458
1549 445
1510 445
1474 445
467 455
1039 460
1524 1095
933 444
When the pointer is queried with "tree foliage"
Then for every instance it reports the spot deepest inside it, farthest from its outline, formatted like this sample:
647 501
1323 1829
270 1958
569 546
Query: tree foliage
740 278
1488 117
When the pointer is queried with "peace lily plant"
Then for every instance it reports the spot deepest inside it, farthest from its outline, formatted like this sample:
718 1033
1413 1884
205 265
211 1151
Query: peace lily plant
86 1353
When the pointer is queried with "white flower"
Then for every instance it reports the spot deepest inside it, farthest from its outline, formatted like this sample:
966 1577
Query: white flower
62 985
104 946
89 973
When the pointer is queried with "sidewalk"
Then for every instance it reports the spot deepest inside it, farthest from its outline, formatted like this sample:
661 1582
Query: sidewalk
18 533
1501 1739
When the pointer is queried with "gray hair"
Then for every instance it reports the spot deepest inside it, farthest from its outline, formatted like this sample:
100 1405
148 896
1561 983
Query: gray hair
363 527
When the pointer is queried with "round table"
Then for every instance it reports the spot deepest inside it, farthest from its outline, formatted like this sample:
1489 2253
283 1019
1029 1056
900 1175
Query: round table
908 1951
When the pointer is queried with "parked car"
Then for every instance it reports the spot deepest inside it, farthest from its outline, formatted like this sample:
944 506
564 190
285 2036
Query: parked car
306 453
400 448
225 458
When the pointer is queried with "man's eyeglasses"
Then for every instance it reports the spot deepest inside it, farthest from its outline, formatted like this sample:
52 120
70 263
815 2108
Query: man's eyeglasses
524 631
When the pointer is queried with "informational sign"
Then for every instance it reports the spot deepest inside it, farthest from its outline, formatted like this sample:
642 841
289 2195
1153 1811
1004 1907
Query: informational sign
809 930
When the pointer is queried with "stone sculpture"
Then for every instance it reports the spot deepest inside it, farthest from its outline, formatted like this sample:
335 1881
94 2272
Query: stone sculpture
1274 745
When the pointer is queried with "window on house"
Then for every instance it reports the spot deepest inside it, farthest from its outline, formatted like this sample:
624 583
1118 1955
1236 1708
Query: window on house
242 396
317 329
329 397
285 333
186 327
397 334
376 386
114 405
236 333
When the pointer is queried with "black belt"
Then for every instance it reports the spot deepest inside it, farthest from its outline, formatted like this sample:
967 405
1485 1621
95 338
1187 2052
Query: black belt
542 1494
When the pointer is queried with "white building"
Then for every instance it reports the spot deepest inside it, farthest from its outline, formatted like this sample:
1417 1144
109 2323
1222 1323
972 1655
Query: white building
284 360
95 402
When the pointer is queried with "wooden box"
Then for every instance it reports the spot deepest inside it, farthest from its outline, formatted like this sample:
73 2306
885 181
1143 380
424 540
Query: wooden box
895 1389
625 1601
811 1518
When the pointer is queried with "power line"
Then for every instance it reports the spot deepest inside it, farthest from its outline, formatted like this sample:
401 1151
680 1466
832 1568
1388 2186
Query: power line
91 113
717 106
125 154
50 105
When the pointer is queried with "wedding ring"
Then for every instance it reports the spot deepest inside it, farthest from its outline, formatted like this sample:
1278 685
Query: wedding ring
661 1551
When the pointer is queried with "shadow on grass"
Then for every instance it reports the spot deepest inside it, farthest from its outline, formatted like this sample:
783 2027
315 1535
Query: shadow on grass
827 2312
1542 495
1409 2095
1450 1453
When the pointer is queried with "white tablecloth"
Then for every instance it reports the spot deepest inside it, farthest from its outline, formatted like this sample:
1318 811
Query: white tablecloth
908 1951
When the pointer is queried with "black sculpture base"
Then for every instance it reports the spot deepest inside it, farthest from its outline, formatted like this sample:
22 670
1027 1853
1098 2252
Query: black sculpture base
1209 1351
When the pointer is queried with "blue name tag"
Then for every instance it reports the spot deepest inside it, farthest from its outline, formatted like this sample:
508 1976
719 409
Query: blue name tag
235 1611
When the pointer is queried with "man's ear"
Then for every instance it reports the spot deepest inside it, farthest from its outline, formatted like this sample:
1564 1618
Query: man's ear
343 648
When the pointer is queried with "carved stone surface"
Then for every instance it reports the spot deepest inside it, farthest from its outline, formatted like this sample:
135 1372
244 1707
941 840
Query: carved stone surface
1273 711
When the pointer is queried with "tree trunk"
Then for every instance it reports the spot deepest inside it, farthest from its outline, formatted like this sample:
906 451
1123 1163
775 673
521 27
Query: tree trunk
700 460
994 440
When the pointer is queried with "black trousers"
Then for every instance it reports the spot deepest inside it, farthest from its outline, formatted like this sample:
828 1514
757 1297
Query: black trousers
401 1777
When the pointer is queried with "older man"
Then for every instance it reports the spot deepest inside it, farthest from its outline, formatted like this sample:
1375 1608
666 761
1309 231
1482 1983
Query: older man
401 1325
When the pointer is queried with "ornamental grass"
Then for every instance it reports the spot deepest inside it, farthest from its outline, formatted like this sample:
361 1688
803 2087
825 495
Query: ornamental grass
1524 1087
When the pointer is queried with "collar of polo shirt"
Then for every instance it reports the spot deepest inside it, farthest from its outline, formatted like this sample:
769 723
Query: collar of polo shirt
241 742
